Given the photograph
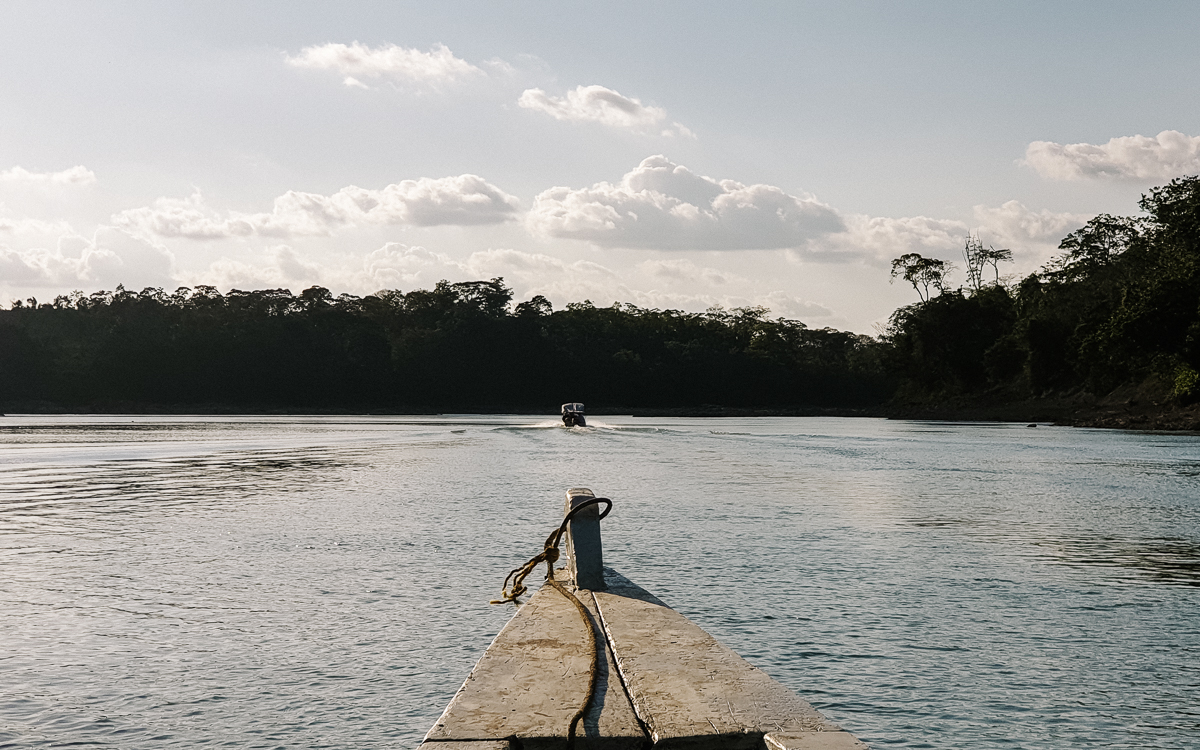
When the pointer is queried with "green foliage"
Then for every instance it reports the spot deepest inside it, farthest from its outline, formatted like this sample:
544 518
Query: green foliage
955 342
1186 383
1121 298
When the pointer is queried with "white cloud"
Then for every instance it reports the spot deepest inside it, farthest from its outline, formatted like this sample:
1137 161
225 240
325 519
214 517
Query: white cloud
663 285
880 238
463 200
110 258
35 226
466 199
786 305
684 270
1135 157
531 268
282 267
604 106
1013 222
396 266
389 62
43 267
233 274
180 217
670 285
77 175
564 281
663 205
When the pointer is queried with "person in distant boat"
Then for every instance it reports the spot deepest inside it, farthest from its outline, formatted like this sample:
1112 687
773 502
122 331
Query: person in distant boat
572 415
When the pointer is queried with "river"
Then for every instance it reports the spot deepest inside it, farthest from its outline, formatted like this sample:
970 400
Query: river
323 582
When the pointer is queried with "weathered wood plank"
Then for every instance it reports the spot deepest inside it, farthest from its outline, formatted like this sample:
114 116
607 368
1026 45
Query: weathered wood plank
531 681
813 741
688 689
611 714
584 550
467 745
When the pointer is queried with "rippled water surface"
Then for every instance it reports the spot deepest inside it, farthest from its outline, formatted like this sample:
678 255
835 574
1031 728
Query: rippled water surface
323 582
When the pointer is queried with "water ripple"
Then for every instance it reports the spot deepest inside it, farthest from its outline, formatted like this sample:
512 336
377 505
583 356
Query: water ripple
322 581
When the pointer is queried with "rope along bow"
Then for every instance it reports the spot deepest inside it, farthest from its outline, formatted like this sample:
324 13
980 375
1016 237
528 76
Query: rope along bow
548 555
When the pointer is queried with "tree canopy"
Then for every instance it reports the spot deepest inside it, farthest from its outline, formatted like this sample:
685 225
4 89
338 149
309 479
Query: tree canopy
461 346
1121 302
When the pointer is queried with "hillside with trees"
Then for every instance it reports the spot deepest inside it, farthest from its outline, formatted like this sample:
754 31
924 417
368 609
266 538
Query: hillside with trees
1108 333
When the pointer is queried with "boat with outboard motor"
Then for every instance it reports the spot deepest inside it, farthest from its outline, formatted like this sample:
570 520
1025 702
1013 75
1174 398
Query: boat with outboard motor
572 415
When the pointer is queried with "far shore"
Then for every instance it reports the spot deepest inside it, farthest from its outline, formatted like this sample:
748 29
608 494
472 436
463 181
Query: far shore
1124 409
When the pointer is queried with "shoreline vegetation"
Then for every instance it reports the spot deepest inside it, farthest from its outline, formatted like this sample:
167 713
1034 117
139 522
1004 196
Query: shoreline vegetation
1105 335
1112 412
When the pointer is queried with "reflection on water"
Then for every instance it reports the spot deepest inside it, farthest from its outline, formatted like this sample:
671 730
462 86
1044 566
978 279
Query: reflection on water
37 493
1165 561
323 581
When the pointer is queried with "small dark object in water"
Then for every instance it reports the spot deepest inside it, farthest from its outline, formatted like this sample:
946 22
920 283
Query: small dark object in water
572 415
1031 425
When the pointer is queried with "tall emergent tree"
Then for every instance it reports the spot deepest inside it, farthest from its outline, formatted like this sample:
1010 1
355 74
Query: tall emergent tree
922 273
978 257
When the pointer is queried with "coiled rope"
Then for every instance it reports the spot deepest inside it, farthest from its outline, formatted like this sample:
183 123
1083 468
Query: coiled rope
549 555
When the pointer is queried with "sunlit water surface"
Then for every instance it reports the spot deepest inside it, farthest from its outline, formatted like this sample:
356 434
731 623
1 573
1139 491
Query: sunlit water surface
323 582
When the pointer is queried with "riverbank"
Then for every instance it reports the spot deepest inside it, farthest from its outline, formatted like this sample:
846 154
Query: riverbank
1148 406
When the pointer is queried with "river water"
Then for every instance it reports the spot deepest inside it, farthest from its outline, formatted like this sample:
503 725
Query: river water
179 582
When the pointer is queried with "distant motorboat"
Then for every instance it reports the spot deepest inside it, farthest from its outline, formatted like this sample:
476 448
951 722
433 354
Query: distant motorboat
572 415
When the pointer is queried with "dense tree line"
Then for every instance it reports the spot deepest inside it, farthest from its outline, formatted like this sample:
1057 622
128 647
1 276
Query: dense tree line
457 346
1119 305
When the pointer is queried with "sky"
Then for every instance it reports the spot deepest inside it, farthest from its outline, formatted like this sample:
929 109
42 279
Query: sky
676 155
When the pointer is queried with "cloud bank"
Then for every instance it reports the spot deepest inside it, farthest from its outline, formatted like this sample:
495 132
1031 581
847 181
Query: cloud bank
1013 222
109 258
399 65
398 266
35 226
1136 157
876 240
663 205
601 105
464 200
77 175
881 238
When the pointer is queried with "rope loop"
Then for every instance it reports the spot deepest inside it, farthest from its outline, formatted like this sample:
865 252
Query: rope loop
548 555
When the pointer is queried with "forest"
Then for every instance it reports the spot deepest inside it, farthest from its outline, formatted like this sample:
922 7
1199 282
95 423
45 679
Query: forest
460 346
1114 318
